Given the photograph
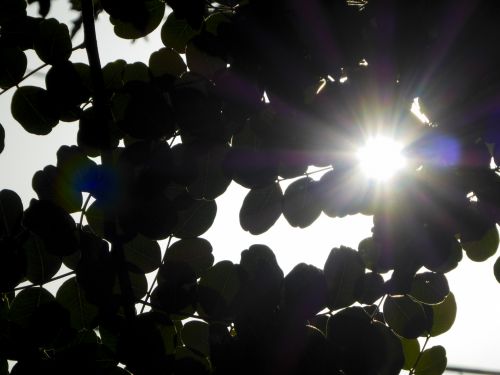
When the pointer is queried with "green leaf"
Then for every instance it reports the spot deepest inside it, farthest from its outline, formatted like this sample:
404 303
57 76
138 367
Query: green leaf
11 212
95 218
153 14
196 219
443 315
202 62
26 303
143 253
482 249
83 314
13 63
41 265
195 252
411 350
33 109
343 270
195 336
432 362
138 283
176 33
261 208
429 287
166 61
406 317
301 206
496 269
52 42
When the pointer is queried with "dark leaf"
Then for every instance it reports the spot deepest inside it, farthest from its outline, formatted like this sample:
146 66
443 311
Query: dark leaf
175 33
301 206
41 265
406 317
34 110
143 253
429 287
411 350
83 314
195 218
195 252
483 248
140 19
443 315
52 42
11 212
26 303
166 61
261 209
13 63
2 138
432 362
195 336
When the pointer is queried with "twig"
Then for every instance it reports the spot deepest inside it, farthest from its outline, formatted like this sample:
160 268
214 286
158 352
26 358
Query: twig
51 280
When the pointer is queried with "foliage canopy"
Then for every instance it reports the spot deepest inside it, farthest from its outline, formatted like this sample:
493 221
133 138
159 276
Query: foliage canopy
254 92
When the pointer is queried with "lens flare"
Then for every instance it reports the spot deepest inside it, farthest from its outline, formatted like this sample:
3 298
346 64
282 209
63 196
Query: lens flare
380 158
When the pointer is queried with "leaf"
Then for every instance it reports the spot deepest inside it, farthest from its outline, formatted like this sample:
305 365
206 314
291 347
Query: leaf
443 315
300 204
411 350
429 287
195 219
195 336
11 212
151 15
13 63
261 208
406 317
52 42
26 303
218 289
33 109
496 269
2 138
143 253
195 252
41 265
343 270
138 283
83 313
432 362
199 61
166 61
482 249
176 33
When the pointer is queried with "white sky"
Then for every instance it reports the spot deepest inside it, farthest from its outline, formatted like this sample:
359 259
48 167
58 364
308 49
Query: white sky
474 339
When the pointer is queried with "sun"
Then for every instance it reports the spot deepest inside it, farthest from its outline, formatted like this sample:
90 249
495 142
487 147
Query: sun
381 157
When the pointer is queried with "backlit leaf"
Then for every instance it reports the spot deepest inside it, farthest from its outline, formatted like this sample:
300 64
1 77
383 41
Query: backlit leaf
11 212
483 248
406 317
13 64
432 362
195 219
429 287
2 138
411 350
166 61
33 109
41 265
261 208
195 252
443 315
27 302
301 206
83 313
195 336
143 253
175 33
152 16
52 42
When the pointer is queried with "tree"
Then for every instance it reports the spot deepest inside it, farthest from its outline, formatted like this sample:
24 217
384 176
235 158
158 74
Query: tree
268 90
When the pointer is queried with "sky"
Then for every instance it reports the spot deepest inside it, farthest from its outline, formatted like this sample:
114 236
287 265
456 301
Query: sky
472 342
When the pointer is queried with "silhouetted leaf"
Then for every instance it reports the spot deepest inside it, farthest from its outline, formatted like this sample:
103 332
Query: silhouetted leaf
11 212
153 11
443 315
195 336
496 269
405 316
411 350
166 61
175 33
4 367
26 303
301 206
143 253
33 109
195 252
432 362
343 272
52 42
41 265
199 61
83 314
370 288
430 287
138 283
483 248
195 219
218 289
13 64
261 208
2 138
372 255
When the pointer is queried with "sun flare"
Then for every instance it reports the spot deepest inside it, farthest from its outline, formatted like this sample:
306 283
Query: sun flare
380 158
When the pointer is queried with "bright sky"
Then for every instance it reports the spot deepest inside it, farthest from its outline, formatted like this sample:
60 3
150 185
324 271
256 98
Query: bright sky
474 339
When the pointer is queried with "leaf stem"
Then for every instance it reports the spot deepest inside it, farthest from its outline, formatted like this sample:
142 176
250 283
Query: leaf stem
84 209
412 371
51 280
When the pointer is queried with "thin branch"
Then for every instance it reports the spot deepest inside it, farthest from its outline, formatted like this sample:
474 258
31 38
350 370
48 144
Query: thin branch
51 280
412 371
84 209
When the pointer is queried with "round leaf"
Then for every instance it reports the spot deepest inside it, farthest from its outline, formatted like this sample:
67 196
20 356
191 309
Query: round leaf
301 207
405 316
26 303
429 287
143 253
496 269
153 11
83 314
411 350
482 249
32 108
13 63
52 42
443 315
195 336
166 61
343 270
176 33
2 138
41 265
195 219
196 252
432 362
261 209
11 212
